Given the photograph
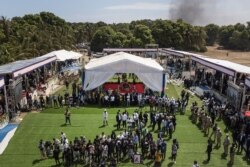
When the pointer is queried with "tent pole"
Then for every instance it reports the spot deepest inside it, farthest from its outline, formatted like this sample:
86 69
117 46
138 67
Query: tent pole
222 82
163 84
83 77
6 101
243 98
235 77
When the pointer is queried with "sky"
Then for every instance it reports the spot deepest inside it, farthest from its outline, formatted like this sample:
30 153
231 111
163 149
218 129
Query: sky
202 12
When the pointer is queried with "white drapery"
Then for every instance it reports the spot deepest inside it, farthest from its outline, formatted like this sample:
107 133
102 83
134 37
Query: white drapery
94 79
151 80
100 70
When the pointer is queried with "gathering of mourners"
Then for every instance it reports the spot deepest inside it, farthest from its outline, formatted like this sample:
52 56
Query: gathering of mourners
206 118
136 131
134 137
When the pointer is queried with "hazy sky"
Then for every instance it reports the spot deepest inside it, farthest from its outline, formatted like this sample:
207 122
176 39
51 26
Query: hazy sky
110 11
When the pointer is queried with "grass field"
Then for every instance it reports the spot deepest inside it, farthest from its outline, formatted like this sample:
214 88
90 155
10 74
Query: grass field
23 152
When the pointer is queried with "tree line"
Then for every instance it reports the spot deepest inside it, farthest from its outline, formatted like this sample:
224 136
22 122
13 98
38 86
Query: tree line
234 37
37 34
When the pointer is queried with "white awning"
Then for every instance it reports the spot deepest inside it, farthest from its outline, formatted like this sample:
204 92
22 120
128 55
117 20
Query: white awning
63 55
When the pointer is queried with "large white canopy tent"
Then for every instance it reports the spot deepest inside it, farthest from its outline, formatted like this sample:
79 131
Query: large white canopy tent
100 70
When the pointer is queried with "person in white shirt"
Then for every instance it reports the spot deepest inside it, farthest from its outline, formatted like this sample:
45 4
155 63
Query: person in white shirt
105 117
106 100
128 100
63 137
136 118
112 100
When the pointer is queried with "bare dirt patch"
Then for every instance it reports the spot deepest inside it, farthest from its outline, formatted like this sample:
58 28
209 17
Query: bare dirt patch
234 56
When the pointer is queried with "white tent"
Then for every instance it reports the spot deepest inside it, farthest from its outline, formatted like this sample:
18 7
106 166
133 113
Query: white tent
100 70
63 55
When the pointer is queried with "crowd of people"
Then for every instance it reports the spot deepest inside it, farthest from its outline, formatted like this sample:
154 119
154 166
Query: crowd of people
111 149
135 138
206 118
106 150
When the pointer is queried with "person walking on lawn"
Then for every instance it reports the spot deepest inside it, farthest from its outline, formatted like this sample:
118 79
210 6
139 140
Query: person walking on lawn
105 117
209 149
67 116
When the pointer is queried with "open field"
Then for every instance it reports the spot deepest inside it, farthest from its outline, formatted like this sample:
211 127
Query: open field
234 56
23 152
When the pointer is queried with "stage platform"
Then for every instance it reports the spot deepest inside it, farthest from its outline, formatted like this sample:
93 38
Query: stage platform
124 87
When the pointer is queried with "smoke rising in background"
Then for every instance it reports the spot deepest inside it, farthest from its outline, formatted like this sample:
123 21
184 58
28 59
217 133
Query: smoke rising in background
192 11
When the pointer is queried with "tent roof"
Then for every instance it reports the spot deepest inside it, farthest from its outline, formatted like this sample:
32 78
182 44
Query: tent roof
130 50
23 66
2 82
124 62
174 52
62 55
225 66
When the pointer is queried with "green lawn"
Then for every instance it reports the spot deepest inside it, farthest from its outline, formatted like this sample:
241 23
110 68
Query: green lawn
22 150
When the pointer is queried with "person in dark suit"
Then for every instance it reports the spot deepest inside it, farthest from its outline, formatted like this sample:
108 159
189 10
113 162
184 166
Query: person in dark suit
118 120
209 149
241 141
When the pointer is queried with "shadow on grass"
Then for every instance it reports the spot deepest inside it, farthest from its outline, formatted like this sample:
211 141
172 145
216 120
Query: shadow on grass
216 147
56 165
149 163
70 125
63 125
127 160
246 159
229 164
223 156
36 161
102 126
205 162
170 164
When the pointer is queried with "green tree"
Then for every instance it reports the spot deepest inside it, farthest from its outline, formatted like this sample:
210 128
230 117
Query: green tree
143 33
162 32
212 32
102 38
224 35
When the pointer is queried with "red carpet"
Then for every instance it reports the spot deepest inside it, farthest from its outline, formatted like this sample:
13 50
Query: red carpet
125 88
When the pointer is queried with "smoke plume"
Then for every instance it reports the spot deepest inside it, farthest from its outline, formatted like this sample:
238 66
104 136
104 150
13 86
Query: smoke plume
191 11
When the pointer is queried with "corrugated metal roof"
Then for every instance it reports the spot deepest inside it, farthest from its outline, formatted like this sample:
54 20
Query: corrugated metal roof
18 65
